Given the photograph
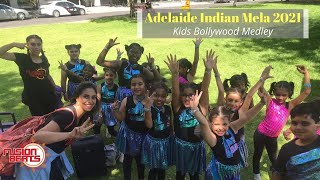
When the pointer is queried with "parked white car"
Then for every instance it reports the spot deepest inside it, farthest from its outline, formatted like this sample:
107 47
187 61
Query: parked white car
62 8
7 12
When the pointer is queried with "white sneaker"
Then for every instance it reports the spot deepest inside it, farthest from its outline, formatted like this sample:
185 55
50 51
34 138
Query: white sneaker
121 157
107 133
256 177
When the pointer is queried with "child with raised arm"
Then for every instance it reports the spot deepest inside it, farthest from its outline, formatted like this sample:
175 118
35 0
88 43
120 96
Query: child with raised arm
277 114
187 71
189 150
299 158
219 133
234 99
133 130
88 74
39 88
125 68
75 65
157 146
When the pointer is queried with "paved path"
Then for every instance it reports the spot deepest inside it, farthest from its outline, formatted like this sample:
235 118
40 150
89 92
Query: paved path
173 5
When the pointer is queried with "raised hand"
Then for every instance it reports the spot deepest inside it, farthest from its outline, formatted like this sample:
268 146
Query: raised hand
302 69
80 131
119 52
194 100
150 60
263 96
62 66
173 64
211 61
115 106
111 43
21 45
149 99
197 42
266 73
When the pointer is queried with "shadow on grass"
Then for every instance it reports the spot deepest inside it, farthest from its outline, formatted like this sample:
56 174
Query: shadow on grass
11 87
288 49
123 18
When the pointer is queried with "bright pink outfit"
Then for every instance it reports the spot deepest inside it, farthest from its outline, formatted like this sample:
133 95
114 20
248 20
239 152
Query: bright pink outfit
276 117
182 80
318 131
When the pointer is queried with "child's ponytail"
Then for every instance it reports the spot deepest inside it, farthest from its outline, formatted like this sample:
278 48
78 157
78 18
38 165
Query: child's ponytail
245 77
43 56
291 84
272 86
226 85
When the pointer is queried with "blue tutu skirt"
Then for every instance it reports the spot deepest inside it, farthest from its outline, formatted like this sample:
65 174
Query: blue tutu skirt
218 171
156 152
128 141
123 92
189 157
243 153
108 118
72 88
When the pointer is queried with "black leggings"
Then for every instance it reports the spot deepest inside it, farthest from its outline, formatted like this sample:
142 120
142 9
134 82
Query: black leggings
157 174
180 176
112 131
127 167
261 141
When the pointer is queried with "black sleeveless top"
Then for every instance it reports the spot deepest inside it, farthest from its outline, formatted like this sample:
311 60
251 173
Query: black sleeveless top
76 68
226 151
186 126
108 95
135 116
126 71
161 119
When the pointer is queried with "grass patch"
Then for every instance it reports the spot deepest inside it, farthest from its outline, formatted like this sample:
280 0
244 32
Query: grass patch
235 56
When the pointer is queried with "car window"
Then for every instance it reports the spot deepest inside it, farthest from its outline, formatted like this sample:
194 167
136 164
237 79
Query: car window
69 4
60 4
4 7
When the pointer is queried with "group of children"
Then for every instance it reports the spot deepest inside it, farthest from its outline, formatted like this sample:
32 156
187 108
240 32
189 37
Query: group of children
159 131
159 135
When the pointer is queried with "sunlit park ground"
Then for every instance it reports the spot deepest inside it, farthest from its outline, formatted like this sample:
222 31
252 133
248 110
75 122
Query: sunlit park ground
235 56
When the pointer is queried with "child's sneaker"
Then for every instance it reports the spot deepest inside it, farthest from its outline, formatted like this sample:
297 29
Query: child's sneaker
107 133
121 157
256 177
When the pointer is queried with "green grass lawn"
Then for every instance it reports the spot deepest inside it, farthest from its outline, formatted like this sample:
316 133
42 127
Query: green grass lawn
235 56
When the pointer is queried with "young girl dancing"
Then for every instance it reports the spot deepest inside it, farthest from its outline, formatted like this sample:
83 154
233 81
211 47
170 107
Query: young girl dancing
189 155
75 65
234 100
157 146
39 88
133 129
187 71
277 113
107 95
220 134
125 68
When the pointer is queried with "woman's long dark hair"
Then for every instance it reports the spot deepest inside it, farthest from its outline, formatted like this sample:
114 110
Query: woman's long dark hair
83 86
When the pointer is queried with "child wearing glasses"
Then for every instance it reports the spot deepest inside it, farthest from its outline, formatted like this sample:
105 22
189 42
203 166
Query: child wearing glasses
189 150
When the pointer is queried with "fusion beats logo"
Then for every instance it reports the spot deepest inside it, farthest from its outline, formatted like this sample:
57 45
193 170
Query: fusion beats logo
32 155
